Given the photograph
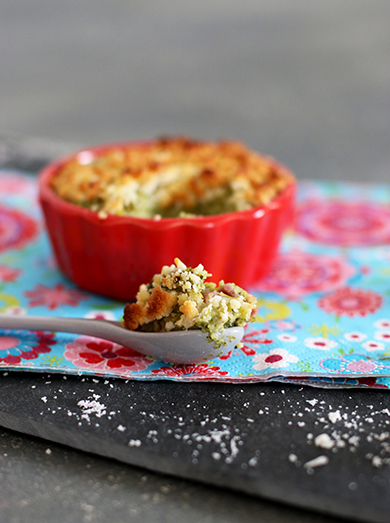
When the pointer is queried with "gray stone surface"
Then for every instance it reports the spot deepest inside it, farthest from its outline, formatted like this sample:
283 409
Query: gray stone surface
258 439
305 81
45 482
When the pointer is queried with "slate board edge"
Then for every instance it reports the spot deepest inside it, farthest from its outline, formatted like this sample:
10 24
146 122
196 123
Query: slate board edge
156 463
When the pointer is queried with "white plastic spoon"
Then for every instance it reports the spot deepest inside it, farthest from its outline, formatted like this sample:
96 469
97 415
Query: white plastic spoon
180 347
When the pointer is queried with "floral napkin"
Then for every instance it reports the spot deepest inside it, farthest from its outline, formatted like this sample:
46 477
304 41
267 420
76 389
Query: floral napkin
324 309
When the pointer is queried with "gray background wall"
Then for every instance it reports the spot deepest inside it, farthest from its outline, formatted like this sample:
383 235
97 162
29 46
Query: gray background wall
307 81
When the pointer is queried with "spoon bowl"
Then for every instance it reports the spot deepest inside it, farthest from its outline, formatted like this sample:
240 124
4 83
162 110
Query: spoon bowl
178 347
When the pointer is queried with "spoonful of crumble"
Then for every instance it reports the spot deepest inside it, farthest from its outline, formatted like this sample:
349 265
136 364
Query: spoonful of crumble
178 318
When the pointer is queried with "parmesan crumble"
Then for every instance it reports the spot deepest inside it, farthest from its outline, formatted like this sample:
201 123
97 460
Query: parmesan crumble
179 299
171 177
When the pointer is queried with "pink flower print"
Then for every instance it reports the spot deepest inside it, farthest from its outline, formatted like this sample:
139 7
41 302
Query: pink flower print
53 297
361 366
93 353
351 302
382 324
382 336
14 310
101 315
297 274
286 326
355 336
373 345
16 229
320 343
275 359
354 364
287 338
8 274
179 371
338 222
16 183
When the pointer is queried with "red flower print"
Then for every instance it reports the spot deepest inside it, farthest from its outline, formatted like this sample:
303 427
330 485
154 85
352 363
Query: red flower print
275 359
351 302
93 353
45 339
256 337
183 370
53 297
344 223
16 346
298 273
8 274
16 229
371 382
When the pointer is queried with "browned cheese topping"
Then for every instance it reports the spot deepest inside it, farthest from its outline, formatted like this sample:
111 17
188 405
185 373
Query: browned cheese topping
172 177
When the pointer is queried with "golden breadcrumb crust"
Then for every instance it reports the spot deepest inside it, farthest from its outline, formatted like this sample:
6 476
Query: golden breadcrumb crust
159 303
183 173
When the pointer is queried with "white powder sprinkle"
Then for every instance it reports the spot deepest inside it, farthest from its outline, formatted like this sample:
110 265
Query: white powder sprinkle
233 446
334 416
354 440
324 441
319 461
217 435
377 461
91 407
382 436
134 443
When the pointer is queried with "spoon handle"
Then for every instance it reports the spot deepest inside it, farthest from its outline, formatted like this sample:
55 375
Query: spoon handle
90 327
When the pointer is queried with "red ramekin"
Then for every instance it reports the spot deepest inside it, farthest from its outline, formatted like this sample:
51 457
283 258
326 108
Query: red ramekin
115 255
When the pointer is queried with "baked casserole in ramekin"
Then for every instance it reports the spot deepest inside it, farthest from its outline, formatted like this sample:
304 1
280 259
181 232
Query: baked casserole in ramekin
117 213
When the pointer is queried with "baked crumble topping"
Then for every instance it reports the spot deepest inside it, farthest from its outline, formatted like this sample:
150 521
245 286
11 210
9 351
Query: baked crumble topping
172 177
179 298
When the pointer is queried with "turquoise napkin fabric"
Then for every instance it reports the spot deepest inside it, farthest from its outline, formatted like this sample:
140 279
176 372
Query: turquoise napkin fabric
324 308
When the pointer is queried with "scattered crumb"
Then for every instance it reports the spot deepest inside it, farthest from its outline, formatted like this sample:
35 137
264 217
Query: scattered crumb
319 461
324 441
334 416
91 407
135 443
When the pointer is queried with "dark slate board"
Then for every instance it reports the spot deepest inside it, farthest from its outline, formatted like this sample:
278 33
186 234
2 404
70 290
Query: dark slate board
251 438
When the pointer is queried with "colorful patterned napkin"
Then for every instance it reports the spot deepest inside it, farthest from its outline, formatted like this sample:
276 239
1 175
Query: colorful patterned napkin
324 309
